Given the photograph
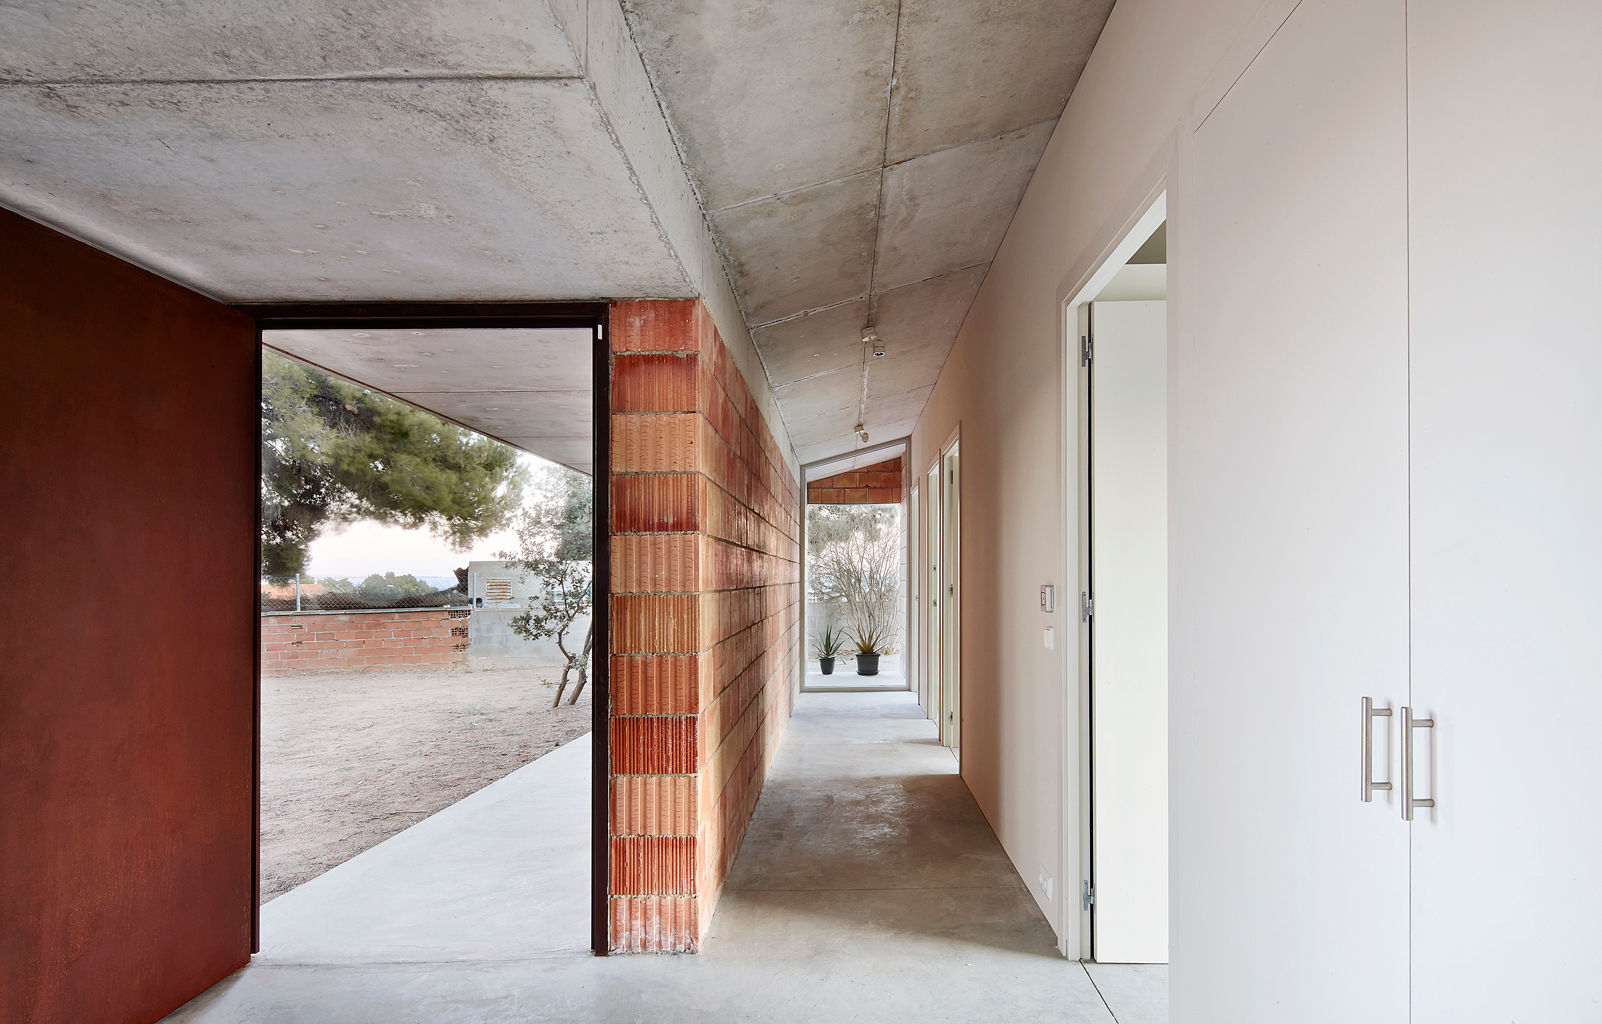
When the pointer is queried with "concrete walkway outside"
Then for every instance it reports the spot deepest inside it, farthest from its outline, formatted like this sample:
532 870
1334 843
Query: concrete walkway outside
500 874
891 676
869 888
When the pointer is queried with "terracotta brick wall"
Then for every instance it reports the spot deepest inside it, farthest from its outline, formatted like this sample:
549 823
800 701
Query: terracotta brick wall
879 484
705 618
397 638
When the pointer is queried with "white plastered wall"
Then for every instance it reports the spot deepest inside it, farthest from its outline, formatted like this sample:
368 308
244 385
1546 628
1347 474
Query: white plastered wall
1156 64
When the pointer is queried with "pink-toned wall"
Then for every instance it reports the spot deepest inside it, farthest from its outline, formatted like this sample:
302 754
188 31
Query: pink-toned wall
393 638
127 752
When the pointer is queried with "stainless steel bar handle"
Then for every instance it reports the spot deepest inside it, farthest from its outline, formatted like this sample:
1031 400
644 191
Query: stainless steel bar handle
1409 801
1370 784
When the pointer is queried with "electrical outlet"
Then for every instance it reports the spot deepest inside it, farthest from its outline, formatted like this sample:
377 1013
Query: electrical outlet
1045 884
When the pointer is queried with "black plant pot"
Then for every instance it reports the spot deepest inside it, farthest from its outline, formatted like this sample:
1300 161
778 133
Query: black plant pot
827 665
867 664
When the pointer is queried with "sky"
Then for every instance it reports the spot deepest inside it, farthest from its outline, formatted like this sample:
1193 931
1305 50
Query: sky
357 551
361 549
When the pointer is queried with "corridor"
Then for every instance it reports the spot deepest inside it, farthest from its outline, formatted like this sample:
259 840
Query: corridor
869 888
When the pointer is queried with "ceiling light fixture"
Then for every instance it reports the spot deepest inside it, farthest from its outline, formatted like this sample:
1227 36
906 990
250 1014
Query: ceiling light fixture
870 336
862 433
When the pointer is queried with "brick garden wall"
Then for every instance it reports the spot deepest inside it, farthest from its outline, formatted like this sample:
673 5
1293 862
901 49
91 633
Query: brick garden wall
705 618
393 638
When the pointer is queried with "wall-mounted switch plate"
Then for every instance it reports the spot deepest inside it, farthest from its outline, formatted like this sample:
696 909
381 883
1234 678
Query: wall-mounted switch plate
1048 598
1045 884
1051 639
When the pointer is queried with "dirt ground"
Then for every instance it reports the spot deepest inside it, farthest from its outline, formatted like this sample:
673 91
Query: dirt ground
348 759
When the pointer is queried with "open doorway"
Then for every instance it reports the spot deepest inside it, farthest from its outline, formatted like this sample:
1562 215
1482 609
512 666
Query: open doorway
483 430
857 569
950 572
1122 469
940 573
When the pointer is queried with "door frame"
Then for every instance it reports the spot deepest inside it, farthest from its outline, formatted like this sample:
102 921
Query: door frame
930 565
1152 206
906 458
914 660
466 316
951 590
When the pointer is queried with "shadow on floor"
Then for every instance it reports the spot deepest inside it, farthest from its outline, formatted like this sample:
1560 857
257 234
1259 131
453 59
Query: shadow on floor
869 888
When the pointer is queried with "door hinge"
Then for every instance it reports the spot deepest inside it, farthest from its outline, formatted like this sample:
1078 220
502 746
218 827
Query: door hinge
1087 895
1085 347
1087 607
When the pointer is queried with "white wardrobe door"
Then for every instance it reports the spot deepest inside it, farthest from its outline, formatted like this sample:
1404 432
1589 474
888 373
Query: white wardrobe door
1506 174
1290 507
1129 674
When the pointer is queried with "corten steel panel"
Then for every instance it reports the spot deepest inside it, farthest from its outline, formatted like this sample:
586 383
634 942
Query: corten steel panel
128 448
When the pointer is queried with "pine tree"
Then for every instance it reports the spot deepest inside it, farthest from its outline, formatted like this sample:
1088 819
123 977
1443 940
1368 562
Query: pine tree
334 452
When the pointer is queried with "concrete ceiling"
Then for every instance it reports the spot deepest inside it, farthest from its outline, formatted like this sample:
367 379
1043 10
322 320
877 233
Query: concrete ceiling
836 162
532 389
860 161
298 150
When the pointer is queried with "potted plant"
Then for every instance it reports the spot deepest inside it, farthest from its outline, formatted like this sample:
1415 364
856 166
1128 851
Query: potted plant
871 641
827 647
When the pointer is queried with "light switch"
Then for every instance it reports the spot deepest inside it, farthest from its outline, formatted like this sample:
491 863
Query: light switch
1048 598
1051 639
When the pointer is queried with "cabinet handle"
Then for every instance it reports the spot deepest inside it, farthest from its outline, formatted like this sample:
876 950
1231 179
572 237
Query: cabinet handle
1409 801
1370 784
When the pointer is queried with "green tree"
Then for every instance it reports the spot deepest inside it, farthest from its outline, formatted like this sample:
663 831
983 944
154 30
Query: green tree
334 452
389 587
556 547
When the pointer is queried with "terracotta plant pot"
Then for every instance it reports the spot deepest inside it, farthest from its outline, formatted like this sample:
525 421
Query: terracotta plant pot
827 665
867 664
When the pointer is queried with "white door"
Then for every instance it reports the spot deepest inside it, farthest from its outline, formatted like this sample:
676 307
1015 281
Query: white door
931 544
914 678
1506 218
1289 503
1129 631
951 596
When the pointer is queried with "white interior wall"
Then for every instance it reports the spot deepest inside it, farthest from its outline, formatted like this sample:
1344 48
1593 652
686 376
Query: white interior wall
1438 221
1004 384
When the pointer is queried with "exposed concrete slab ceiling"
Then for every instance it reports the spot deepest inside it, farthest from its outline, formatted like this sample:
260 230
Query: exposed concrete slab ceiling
374 150
860 161
532 389
301 151
871 456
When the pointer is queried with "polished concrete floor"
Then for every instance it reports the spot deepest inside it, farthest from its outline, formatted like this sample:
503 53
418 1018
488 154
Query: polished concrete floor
869 888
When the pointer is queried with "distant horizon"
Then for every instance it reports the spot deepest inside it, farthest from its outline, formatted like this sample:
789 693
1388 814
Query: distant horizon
360 549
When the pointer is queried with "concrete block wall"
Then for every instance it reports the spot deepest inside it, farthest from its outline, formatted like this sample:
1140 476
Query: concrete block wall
389 639
705 618
878 484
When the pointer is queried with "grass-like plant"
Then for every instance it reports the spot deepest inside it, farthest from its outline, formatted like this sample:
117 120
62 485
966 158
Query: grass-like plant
873 639
828 644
